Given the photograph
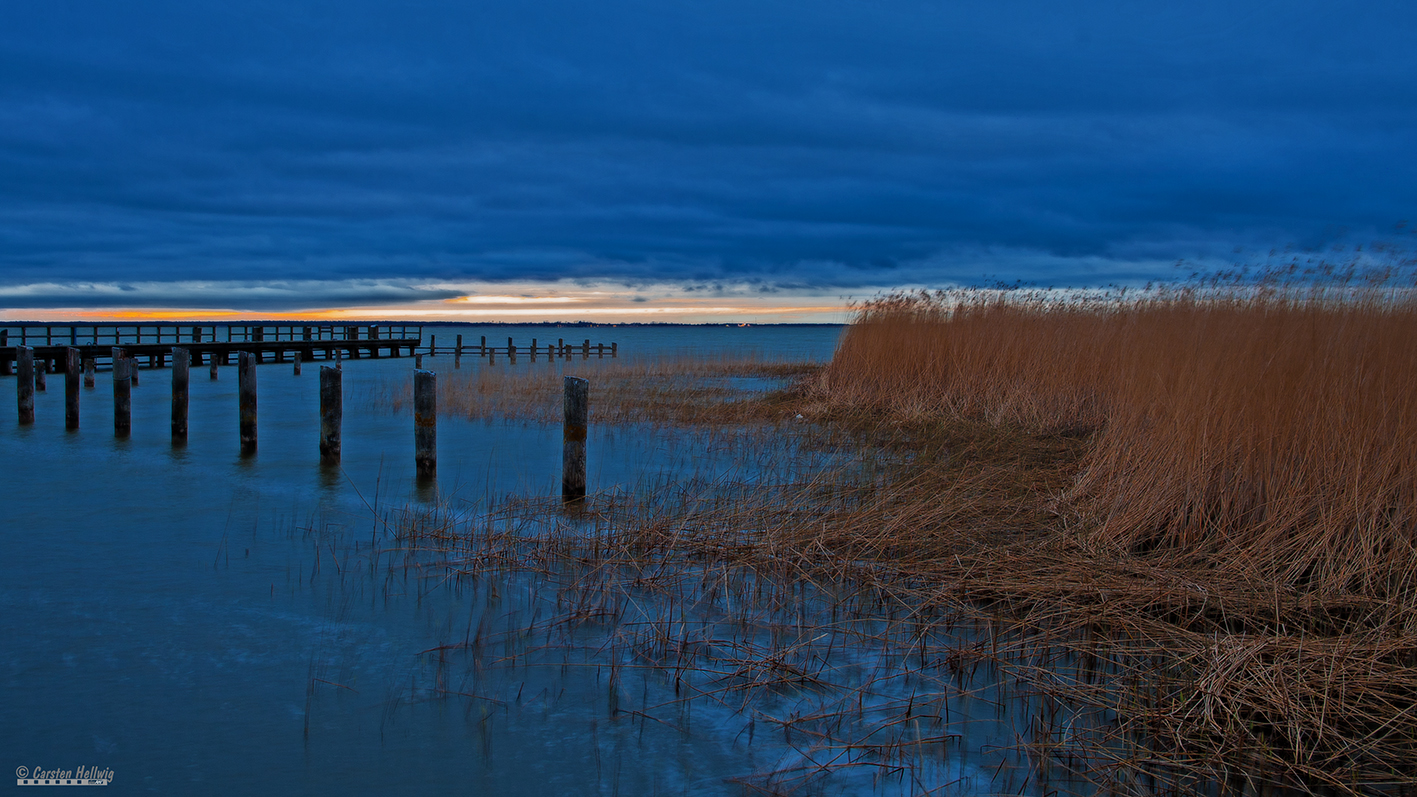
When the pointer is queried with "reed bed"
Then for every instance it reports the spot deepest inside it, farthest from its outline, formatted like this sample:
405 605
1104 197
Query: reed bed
1240 497
1180 525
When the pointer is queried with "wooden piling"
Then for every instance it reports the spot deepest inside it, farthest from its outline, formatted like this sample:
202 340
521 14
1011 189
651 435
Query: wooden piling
181 366
533 349
614 350
425 423
298 357
246 390
90 371
133 370
576 405
213 366
511 352
458 351
122 396
585 350
417 361
41 373
331 413
72 367
24 386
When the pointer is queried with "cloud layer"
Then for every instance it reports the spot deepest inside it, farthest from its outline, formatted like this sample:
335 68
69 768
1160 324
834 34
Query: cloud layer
372 147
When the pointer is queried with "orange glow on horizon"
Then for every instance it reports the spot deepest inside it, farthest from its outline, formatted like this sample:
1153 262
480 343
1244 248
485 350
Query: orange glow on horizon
666 310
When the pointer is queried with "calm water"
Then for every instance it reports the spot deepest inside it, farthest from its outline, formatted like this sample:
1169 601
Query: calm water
201 623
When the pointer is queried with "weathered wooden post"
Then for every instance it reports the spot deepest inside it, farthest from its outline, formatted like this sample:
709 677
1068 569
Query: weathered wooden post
215 360
41 381
246 391
614 350
331 413
511 352
122 396
298 358
133 370
417 361
90 371
576 405
458 351
181 366
24 389
339 358
72 366
425 423
585 350
482 347
532 350
432 345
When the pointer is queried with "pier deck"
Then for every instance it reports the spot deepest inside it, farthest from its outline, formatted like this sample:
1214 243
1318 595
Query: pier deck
151 345
154 343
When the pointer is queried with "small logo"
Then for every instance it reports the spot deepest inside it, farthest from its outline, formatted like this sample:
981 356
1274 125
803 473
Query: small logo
79 776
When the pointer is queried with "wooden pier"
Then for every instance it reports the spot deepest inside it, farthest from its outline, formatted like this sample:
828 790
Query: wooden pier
74 349
151 344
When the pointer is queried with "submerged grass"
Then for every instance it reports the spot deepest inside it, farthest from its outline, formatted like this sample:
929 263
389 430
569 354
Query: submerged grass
681 390
1188 521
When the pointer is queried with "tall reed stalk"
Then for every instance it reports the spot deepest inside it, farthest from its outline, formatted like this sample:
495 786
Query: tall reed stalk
1263 433
1240 510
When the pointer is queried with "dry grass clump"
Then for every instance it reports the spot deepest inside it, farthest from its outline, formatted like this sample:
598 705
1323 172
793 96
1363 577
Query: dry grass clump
1236 502
729 389
1273 435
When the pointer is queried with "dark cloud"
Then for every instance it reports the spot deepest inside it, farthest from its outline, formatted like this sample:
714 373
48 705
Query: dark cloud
838 144
274 295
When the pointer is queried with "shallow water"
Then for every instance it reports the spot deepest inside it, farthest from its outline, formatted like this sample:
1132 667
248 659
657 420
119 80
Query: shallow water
197 621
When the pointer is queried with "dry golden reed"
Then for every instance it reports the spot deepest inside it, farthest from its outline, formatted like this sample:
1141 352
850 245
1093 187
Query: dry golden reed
1232 498
1270 434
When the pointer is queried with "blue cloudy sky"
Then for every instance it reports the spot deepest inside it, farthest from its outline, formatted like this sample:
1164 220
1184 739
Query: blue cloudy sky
547 157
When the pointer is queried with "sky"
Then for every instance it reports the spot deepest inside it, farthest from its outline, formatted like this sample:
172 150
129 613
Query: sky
680 161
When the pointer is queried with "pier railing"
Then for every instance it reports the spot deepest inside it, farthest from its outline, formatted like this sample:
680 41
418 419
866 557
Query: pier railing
120 334
205 342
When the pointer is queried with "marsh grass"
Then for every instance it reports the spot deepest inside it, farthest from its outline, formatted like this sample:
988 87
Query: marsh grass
1182 524
1239 505
728 389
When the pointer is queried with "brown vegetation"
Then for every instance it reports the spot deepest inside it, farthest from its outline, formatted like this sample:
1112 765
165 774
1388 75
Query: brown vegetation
1232 499
1192 516
670 390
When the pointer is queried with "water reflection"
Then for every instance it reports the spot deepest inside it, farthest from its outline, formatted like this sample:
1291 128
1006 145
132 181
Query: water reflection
200 621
